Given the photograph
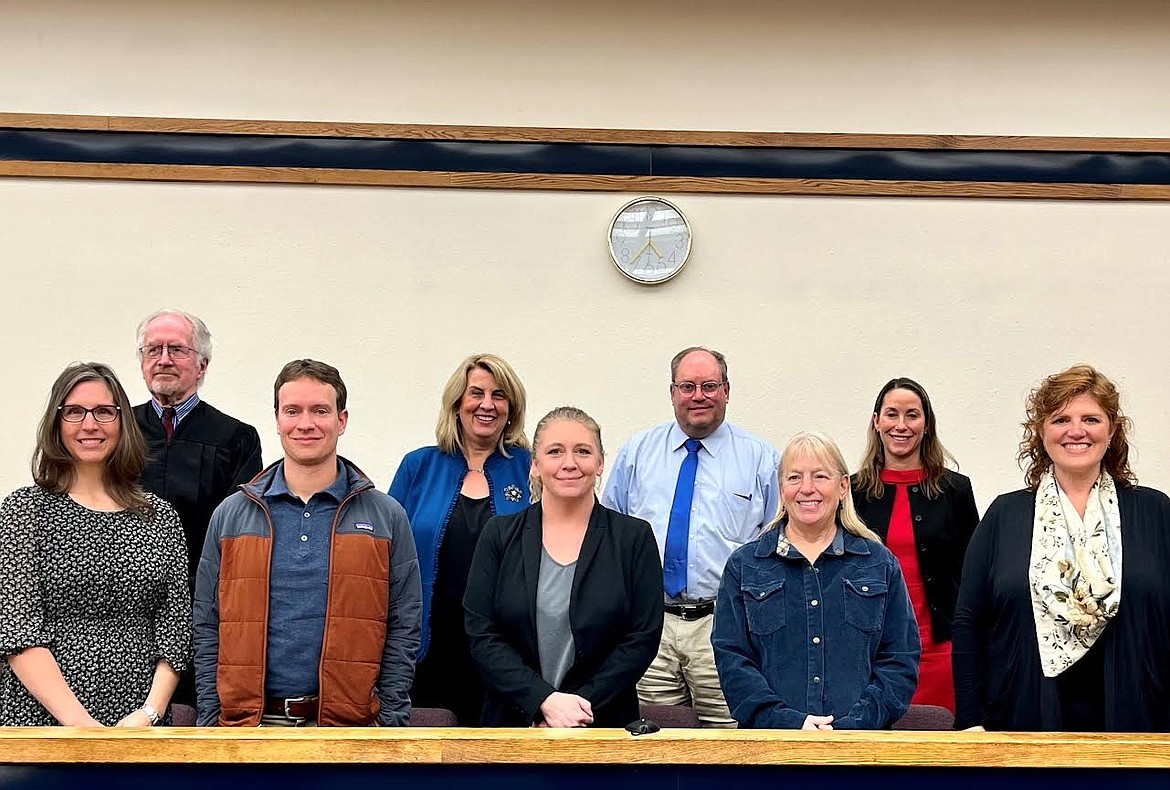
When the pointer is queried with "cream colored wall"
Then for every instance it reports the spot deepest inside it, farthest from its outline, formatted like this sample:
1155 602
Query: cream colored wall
816 301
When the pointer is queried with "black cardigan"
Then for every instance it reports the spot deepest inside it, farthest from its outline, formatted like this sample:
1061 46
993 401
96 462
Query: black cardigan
615 610
942 529
998 679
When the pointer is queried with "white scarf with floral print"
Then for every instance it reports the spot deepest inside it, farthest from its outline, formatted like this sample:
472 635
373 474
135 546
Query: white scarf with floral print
1075 571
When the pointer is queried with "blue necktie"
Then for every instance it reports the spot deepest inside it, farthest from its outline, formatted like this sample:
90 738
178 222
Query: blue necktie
674 561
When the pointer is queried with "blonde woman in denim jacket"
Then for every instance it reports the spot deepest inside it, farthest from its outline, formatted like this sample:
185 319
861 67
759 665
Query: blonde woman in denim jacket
814 628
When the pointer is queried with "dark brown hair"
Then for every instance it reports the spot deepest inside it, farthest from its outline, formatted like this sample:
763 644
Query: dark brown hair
53 468
1051 396
310 369
934 455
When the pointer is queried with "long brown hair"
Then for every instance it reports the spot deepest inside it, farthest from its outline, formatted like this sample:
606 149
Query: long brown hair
1051 396
54 469
934 456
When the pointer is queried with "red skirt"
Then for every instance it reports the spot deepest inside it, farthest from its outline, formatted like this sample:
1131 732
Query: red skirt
936 682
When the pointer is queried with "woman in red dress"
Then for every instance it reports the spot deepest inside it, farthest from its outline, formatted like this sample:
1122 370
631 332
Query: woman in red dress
925 513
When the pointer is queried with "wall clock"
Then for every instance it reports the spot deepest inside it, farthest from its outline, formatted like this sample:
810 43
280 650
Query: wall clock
649 240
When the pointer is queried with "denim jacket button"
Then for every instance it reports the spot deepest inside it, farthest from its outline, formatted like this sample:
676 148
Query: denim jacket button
816 640
865 589
816 679
813 602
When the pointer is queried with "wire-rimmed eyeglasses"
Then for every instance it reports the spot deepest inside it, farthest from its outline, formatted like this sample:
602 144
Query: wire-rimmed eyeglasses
173 351
688 387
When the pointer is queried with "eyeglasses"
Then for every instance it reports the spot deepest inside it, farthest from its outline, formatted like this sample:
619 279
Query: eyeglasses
174 352
688 387
71 413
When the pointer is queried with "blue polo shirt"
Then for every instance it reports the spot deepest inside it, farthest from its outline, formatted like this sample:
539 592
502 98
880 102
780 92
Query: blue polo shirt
299 584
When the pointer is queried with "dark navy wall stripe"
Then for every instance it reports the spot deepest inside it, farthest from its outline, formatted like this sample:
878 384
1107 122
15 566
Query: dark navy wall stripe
583 159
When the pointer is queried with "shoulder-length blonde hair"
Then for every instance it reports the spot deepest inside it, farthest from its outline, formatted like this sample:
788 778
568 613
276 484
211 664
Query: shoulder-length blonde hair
53 468
935 457
1051 396
825 451
449 432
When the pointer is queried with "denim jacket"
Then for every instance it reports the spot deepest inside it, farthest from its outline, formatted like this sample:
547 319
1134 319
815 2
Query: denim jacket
836 638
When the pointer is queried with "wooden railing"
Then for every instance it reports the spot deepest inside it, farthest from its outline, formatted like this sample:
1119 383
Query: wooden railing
48 746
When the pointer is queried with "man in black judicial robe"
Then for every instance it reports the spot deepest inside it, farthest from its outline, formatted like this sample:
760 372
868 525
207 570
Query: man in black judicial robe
197 454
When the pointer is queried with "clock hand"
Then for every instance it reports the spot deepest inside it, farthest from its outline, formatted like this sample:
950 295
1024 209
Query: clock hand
639 255
654 247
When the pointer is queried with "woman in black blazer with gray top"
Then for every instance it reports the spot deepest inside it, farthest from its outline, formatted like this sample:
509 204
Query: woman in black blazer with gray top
564 600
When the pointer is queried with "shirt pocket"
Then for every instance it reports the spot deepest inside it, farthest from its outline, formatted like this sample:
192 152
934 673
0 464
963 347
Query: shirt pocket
764 604
740 518
865 603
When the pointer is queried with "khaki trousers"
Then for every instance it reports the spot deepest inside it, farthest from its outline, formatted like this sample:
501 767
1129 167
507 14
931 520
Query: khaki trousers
683 672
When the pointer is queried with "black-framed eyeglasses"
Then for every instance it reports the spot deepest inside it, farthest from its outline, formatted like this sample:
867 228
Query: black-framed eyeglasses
689 387
104 414
173 351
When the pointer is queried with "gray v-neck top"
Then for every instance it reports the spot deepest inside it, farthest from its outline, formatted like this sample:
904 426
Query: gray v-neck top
554 635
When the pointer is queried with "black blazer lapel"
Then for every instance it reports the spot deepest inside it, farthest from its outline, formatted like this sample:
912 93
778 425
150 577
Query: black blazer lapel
594 534
532 544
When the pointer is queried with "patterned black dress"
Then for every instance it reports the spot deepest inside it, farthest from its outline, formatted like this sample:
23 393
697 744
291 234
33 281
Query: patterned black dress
105 592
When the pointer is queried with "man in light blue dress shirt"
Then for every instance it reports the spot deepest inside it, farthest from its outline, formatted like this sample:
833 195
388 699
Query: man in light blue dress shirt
736 494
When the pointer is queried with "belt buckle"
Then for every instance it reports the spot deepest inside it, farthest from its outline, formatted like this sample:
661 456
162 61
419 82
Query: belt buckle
296 701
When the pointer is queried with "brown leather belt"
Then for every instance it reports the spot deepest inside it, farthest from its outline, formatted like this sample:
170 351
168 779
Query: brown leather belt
293 708
691 611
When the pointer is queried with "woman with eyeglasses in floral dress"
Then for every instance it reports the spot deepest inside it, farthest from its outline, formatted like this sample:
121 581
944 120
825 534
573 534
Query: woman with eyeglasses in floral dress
95 611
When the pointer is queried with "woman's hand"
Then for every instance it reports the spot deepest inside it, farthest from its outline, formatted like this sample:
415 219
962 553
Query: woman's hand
812 722
38 670
135 718
85 720
566 710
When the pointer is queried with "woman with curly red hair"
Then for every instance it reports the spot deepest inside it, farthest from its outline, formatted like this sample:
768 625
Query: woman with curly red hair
1063 620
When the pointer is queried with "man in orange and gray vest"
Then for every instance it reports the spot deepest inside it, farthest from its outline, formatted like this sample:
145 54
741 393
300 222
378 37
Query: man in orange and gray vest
308 600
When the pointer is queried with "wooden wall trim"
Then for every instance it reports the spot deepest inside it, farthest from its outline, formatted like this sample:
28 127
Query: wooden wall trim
489 157
112 123
586 183
599 747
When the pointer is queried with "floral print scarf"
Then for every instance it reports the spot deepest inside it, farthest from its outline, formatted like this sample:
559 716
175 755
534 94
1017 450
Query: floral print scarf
1075 571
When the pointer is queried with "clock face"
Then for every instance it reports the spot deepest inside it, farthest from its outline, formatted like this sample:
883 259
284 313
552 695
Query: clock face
649 240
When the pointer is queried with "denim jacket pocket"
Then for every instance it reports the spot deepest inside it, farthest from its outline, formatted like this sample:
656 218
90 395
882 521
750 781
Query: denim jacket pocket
764 605
865 604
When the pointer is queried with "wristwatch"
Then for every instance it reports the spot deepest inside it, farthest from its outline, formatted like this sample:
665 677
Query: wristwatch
151 714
